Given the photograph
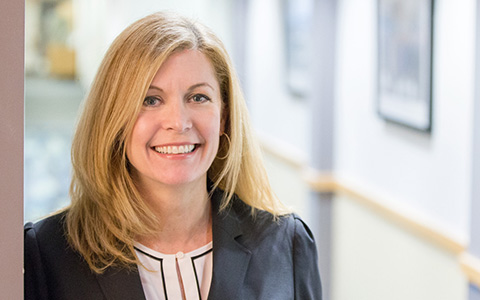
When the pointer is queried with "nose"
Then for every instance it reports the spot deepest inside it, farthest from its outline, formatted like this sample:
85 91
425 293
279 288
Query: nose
177 116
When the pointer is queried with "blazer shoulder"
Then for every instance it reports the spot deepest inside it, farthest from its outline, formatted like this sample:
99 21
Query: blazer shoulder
305 260
54 270
48 229
302 229
44 243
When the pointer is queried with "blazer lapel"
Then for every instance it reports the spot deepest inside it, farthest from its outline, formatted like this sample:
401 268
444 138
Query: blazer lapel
121 284
230 258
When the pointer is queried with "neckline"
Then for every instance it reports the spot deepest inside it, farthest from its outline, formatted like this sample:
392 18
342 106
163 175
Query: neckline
150 252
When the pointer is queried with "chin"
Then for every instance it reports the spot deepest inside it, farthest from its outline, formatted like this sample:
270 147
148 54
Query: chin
182 180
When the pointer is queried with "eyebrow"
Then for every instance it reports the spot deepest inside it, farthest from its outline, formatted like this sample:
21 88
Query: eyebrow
191 88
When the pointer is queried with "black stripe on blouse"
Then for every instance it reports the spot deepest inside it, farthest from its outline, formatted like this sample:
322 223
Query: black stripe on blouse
161 269
195 270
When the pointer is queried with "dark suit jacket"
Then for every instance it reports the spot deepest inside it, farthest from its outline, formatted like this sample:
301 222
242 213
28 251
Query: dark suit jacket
253 258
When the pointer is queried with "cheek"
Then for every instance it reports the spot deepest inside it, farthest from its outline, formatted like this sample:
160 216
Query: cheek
141 128
214 125
207 122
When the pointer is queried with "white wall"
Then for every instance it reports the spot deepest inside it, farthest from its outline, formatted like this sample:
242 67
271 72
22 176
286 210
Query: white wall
427 176
424 176
274 110
97 23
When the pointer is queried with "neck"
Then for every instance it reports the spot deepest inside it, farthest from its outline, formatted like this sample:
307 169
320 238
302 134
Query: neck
184 214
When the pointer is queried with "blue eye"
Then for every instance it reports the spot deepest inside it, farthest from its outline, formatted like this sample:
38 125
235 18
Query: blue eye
150 101
199 98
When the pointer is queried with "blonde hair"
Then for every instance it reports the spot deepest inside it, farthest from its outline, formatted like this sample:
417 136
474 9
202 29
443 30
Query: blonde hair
107 211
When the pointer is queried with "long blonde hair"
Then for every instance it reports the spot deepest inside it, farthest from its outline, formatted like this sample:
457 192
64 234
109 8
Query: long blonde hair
107 211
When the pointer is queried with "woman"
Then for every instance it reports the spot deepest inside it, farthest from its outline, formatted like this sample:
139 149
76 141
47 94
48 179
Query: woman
170 199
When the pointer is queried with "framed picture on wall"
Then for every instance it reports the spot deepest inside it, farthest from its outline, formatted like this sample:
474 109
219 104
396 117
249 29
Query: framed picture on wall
405 62
298 18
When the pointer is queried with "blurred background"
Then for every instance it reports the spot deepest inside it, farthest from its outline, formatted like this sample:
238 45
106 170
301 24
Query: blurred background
391 207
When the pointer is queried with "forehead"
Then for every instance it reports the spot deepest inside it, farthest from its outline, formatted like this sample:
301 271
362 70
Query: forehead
186 67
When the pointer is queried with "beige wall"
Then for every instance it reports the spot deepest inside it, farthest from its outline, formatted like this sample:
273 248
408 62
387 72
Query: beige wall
376 259
11 148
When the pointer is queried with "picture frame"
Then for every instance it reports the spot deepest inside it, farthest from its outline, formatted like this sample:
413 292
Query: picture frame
298 20
405 38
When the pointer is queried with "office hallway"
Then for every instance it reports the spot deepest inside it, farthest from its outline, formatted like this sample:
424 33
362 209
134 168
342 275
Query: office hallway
51 107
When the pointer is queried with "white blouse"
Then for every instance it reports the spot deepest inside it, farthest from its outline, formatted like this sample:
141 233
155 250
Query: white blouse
161 273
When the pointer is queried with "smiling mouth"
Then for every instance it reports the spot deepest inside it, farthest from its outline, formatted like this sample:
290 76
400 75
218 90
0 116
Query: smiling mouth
184 149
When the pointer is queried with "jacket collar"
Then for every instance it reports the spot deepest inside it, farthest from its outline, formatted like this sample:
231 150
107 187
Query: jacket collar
230 258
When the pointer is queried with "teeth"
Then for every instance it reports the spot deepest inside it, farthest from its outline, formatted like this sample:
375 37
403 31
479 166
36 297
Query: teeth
175 150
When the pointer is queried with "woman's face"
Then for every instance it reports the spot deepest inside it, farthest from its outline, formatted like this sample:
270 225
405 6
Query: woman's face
175 138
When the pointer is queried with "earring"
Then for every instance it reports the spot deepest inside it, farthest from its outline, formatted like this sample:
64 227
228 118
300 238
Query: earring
229 144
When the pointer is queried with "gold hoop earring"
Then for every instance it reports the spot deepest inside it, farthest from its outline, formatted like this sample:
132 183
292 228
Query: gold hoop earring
229 144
